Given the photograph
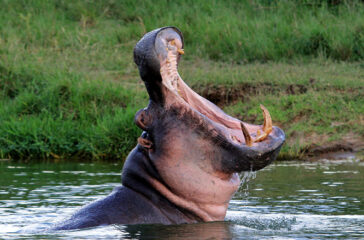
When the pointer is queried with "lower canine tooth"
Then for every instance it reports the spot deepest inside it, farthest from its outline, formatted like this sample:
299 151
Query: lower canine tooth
267 125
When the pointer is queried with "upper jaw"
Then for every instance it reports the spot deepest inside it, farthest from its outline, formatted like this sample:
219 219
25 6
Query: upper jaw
157 55
149 52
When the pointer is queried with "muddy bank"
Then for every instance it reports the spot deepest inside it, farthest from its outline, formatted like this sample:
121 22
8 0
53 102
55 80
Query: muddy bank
223 95
344 148
348 145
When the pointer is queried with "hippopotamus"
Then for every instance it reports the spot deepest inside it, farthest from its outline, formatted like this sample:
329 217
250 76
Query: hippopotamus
185 167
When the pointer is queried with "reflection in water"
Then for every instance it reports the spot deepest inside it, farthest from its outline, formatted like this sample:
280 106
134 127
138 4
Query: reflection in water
285 201
214 230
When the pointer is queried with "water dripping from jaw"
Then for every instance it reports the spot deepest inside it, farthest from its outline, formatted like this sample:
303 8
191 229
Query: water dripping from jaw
245 178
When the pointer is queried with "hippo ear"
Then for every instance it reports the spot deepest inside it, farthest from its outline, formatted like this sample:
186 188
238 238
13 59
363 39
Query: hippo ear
142 119
145 142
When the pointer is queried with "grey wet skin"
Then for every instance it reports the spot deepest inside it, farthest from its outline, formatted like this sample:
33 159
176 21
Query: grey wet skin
184 167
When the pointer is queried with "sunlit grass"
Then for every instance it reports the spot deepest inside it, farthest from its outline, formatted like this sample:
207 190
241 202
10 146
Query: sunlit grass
69 87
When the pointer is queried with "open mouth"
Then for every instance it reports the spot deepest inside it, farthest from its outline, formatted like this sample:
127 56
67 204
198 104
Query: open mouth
244 146
236 131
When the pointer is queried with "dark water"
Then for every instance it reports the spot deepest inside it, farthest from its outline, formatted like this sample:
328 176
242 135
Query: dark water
288 200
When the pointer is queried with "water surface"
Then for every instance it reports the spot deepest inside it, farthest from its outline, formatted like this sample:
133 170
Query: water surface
289 200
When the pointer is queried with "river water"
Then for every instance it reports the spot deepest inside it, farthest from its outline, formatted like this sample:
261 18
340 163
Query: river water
287 200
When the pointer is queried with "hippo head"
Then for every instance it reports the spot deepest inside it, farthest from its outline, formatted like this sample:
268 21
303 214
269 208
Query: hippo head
196 149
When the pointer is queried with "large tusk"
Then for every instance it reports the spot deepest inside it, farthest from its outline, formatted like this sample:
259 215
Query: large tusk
267 125
247 137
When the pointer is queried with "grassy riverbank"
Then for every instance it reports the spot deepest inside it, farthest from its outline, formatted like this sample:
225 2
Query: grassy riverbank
69 87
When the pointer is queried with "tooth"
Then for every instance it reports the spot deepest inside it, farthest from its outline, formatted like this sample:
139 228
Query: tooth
267 125
173 43
235 138
247 137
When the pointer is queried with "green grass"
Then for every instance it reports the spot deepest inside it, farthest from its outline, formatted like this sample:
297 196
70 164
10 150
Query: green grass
69 87
239 31
315 103
64 115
